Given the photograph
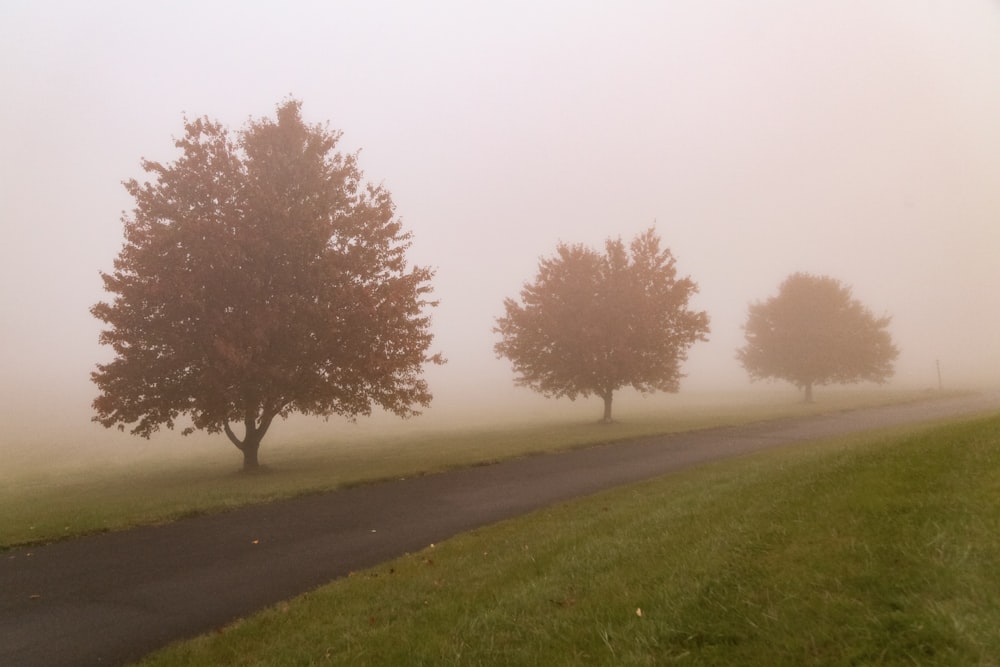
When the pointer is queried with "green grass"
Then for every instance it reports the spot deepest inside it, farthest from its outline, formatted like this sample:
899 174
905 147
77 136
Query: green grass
880 549
46 504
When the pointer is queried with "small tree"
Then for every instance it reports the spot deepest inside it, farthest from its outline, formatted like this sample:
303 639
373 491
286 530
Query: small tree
593 324
260 277
814 333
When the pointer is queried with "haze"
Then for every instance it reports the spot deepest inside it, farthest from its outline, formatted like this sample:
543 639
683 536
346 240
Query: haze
856 140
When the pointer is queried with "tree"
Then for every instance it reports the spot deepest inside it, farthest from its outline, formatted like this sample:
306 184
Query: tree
593 324
260 277
814 333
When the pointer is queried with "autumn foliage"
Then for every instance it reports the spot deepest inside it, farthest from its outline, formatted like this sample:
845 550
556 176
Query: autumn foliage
260 276
815 333
591 324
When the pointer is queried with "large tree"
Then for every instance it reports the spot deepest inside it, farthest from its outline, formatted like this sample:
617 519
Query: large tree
591 324
815 333
260 276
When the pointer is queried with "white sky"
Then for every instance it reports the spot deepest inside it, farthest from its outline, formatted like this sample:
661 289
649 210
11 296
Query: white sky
858 139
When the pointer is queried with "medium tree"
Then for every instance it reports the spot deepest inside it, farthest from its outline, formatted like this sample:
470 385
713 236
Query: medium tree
814 333
260 277
591 324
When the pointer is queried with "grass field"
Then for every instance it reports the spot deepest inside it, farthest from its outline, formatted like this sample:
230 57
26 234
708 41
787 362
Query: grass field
49 501
880 549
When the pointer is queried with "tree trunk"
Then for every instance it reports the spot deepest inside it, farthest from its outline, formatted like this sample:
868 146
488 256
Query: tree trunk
809 392
607 408
250 449
252 435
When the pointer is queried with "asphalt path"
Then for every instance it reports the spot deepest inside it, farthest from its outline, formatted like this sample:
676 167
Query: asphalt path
110 599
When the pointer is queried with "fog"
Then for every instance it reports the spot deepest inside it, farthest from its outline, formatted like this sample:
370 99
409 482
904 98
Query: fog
856 140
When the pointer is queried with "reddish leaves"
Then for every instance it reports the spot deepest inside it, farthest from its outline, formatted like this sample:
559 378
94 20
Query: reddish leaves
261 276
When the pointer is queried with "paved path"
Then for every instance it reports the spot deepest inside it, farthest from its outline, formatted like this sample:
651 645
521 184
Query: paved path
112 598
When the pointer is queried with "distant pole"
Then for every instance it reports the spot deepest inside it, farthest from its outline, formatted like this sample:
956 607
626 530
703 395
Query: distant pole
940 385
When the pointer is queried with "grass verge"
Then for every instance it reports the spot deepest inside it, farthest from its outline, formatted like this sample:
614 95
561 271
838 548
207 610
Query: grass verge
51 504
876 549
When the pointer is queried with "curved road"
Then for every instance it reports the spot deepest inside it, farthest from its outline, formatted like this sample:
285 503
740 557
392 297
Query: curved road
112 598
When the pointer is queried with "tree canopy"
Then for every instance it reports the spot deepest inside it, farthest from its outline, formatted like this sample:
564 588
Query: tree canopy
260 276
591 324
814 333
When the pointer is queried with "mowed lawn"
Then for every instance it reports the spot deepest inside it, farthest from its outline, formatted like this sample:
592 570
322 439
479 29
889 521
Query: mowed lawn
48 501
879 549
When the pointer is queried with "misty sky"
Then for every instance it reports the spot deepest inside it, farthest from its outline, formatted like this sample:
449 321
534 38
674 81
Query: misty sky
859 140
